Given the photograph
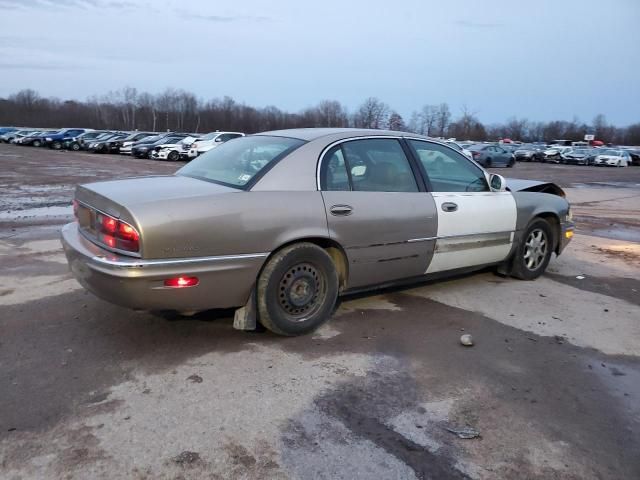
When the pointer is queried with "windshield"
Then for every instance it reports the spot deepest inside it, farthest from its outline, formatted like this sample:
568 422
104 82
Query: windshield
611 152
209 136
476 148
455 146
236 162
152 139
168 140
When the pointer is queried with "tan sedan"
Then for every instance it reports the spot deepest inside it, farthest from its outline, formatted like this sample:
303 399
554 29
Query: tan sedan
281 223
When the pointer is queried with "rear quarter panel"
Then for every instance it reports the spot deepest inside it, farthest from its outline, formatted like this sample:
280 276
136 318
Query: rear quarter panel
228 223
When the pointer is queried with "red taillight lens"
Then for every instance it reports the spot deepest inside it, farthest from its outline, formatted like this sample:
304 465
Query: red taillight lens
181 282
75 208
115 233
127 232
475 154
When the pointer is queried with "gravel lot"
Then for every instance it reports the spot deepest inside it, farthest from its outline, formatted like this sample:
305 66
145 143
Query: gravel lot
552 385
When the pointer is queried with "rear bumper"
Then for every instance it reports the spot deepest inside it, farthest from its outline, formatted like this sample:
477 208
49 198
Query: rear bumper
224 281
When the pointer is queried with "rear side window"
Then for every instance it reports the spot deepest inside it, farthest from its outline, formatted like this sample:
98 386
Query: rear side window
334 171
369 165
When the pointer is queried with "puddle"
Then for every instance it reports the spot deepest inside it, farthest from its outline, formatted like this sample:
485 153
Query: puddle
605 185
55 211
627 234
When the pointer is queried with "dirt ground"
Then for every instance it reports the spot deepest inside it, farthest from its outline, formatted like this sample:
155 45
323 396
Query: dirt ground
552 384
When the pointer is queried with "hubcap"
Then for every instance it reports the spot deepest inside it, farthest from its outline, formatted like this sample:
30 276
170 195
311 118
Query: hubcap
535 249
300 291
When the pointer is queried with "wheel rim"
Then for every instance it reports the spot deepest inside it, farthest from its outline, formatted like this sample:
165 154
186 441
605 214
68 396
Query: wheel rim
535 249
301 291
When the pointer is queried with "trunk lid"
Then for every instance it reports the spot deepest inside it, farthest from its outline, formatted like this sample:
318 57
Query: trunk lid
131 201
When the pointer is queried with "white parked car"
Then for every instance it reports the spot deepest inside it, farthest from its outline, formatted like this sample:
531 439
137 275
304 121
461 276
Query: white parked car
459 148
555 153
209 141
612 158
173 151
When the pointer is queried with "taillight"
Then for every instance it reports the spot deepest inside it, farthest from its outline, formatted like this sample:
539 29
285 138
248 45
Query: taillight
117 234
75 209
181 282
475 154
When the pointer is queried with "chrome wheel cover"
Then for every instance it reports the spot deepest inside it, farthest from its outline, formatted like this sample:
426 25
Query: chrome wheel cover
535 249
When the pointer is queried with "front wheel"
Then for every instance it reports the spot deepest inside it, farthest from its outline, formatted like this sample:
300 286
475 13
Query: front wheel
173 156
297 290
534 252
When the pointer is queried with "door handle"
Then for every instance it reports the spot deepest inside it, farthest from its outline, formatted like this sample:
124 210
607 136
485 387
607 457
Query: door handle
341 210
449 206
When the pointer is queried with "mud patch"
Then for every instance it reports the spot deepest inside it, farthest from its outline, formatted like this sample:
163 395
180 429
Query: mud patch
623 288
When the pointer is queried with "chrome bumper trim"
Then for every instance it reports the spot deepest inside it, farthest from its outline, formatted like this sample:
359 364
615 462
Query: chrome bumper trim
174 261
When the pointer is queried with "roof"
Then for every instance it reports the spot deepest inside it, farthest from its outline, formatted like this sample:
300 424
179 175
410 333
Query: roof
315 133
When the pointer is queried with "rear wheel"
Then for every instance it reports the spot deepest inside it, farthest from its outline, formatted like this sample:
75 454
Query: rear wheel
56 145
534 252
36 143
511 163
297 289
75 147
488 163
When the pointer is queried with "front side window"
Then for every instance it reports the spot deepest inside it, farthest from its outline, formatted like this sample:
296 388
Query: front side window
236 163
449 171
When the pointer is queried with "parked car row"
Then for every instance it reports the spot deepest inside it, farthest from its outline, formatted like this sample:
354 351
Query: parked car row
599 156
171 146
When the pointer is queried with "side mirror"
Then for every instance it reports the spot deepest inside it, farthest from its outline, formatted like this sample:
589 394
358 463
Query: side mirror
497 183
218 139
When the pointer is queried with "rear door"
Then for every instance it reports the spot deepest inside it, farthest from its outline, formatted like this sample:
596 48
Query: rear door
475 225
378 210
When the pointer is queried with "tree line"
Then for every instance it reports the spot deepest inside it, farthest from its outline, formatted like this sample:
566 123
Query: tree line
178 110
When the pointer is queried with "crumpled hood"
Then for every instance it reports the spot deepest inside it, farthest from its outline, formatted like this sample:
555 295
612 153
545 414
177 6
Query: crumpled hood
521 185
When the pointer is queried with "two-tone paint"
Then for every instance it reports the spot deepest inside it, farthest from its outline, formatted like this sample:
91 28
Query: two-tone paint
224 235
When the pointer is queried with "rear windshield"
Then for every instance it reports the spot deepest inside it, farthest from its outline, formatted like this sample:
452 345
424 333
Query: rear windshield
236 162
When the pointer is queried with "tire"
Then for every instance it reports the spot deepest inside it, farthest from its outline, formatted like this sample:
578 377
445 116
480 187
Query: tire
511 164
56 145
488 163
36 143
297 290
534 251
75 147
173 156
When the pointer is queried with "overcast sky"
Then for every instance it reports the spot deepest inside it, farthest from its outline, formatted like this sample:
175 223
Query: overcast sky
541 59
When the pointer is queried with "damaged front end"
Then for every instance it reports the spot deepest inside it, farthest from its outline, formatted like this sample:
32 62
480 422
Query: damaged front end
519 185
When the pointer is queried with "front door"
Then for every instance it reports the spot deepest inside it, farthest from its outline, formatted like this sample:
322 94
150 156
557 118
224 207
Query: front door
475 225
377 211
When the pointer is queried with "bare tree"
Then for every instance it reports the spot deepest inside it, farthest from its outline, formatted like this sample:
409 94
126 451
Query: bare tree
372 114
396 122
181 110
517 129
443 117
